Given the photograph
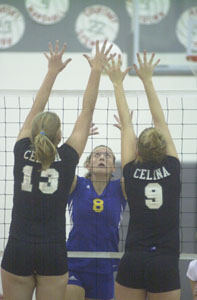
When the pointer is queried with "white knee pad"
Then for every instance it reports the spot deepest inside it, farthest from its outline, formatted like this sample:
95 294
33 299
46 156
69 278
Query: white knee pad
192 270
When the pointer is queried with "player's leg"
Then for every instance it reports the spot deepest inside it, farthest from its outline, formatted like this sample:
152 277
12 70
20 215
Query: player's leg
172 295
51 287
194 289
129 283
75 288
162 277
75 292
51 271
17 287
122 292
16 270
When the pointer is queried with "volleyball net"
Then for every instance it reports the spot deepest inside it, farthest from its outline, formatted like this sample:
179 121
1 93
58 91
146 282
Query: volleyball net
180 109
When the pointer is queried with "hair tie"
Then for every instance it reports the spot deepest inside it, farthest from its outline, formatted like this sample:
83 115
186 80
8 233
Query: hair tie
42 132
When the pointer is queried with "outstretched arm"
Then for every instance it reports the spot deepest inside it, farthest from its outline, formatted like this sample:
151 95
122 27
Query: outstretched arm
55 66
145 72
81 129
128 138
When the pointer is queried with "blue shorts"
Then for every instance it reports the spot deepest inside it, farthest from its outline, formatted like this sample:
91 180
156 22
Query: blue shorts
96 286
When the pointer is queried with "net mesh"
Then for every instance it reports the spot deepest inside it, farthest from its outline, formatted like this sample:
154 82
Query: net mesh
180 109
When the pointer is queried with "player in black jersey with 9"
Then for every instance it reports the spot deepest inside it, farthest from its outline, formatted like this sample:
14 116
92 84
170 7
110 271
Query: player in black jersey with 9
35 255
151 169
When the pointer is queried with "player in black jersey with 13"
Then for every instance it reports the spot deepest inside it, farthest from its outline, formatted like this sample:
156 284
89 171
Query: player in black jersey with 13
35 255
151 170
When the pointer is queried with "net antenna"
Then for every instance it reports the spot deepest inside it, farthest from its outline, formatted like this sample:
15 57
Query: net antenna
192 46
133 38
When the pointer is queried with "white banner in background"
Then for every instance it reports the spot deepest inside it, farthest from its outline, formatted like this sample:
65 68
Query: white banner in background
47 12
12 26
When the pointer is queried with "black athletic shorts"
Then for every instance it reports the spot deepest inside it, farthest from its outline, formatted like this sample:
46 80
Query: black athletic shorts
24 259
155 271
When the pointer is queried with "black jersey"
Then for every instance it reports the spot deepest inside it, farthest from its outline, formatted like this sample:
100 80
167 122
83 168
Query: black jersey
153 191
40 197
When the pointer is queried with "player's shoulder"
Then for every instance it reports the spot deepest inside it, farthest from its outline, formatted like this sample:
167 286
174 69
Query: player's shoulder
173 159
172 163
68 152
116 183
82 180
82 183
22 145
127 169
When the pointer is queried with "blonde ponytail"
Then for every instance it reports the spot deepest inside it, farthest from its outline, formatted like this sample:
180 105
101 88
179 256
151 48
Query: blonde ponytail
45 129
45 151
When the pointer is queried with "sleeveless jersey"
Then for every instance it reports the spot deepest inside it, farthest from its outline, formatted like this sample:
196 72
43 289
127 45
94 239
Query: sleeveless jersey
40 197
153 191
95 223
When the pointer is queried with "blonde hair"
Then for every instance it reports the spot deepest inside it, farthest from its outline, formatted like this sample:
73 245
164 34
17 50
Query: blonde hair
44 137
151 145
87 161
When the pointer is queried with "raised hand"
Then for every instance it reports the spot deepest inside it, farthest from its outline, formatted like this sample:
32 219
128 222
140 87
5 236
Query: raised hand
54 58
146 68
118 124
101 58
93 130
114 70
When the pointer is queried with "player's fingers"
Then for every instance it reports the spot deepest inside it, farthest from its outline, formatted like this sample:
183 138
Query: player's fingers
151 59
46 55
145 57
155 64
111 57
117 118
103 46
108 49
97 46
50 48
136 68
63 49
56 46
88 59
112 61
126 71
95 129
119 61
67 62
117 126
139 59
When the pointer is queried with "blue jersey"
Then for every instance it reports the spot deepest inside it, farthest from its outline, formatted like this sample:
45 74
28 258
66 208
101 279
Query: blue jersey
95 221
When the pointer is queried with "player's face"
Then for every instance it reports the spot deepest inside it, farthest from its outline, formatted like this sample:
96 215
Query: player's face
102 161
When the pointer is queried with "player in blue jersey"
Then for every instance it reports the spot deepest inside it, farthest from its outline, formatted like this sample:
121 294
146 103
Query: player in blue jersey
35 255
96 204
151 170
192 275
